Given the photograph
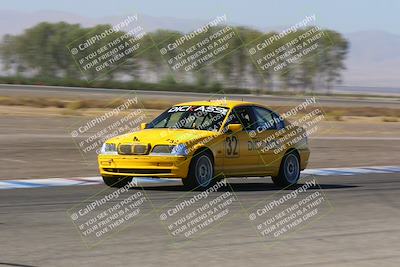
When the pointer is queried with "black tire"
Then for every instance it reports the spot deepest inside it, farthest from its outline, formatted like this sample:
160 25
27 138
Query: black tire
289 171
117 182
201 172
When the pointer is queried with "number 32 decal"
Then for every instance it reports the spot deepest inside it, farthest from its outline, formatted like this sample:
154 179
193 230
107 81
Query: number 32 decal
232 146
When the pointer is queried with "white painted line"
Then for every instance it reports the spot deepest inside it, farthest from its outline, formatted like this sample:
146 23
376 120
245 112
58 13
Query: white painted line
77 181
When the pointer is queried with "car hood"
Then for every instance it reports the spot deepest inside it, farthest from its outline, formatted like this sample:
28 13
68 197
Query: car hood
163 136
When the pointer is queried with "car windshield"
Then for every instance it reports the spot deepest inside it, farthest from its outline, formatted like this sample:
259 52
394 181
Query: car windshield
208 118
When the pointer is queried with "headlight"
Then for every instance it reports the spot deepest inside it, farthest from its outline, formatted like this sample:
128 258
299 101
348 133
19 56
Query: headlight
178 150
162 149
109 148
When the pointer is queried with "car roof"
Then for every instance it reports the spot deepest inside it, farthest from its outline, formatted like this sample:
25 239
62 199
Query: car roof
217 102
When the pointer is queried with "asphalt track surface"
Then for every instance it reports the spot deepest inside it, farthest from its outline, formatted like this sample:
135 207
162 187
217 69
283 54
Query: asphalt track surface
361 228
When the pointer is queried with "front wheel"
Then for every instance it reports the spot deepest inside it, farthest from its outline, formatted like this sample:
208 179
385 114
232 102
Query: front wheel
201 172
289 171
117 182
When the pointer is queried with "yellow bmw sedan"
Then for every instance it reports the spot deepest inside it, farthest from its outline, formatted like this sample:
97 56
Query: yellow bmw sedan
204 141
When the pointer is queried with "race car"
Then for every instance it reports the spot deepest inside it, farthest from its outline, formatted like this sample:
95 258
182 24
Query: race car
203 142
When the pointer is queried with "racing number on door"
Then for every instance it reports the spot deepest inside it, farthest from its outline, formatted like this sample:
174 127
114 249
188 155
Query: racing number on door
232 146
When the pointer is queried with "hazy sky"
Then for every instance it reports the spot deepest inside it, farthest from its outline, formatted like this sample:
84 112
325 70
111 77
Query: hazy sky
342 15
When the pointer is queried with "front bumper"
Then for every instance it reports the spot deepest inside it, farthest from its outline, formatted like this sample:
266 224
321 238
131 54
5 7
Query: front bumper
304 156
144 166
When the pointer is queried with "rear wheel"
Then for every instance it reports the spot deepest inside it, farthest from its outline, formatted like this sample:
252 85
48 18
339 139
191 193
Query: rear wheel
117 182
289 171
201 171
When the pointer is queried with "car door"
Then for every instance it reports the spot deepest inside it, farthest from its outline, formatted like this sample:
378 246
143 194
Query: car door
239 158
266 139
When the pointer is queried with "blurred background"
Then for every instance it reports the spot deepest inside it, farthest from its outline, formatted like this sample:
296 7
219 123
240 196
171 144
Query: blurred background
353 73
362 58
44 95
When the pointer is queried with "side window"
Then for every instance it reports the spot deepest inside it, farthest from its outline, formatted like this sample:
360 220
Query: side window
279 122
242 115
264 119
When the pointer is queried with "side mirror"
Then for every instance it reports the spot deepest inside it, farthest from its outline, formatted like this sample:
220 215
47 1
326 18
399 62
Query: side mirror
234 127
143 126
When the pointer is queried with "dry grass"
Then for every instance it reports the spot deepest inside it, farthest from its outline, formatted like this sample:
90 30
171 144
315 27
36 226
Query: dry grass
351 111
42 102
336 115
364 111
71 107
39 102
389 119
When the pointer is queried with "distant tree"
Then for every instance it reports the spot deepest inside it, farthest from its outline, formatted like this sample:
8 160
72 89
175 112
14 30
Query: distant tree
43 50
332 58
